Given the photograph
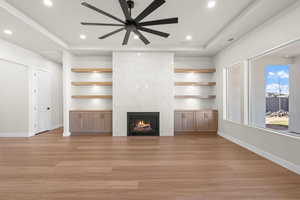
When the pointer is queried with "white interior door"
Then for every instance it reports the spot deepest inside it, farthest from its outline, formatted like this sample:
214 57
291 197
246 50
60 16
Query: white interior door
43 101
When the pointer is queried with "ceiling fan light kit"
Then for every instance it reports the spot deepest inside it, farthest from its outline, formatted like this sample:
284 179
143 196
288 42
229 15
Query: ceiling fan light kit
130 24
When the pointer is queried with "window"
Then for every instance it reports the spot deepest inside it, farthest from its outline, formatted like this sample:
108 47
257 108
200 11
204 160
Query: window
277 97
234 91
273 85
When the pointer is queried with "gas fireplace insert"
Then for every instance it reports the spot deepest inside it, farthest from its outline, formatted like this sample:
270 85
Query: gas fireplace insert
143 124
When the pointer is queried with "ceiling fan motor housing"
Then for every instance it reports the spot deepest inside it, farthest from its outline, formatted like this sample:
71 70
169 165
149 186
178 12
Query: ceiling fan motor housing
130 4
135 25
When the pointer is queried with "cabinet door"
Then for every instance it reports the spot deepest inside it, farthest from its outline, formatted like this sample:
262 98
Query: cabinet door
88 122
99 120
188 121
201 121
212 118
76 122
178 122
108 122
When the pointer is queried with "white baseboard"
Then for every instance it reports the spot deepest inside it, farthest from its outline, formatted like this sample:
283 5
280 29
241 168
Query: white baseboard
284 163
14 134
66 134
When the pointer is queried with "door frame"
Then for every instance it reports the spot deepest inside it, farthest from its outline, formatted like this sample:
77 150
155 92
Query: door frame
33 86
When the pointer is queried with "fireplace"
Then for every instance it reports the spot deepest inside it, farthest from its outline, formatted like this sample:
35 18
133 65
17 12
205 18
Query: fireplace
143 124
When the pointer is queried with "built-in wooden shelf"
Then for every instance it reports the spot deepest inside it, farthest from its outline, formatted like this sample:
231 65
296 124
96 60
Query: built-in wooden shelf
195 97
92 83
92 96
195 83
91 70
187 110
90 110
195 70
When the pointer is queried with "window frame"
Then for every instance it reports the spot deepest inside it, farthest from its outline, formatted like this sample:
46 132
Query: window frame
249 60
225 92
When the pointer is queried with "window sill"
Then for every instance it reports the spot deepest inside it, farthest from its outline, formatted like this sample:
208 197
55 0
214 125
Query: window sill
271 131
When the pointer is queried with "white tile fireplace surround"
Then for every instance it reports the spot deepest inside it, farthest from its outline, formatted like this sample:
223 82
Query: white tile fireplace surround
143 82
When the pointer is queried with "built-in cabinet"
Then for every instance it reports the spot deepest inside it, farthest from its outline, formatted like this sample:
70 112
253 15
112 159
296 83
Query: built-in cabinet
90 121
196 121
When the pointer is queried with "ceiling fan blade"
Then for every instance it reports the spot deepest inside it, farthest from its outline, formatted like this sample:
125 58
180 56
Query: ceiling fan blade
100 24
112 33
152 7
125 9
160 22
141 36
126 38
101 11
155 32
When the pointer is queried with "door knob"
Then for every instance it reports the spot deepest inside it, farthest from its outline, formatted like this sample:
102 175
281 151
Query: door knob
48 108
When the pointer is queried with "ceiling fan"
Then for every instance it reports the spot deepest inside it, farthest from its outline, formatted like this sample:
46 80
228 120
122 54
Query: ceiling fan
131 24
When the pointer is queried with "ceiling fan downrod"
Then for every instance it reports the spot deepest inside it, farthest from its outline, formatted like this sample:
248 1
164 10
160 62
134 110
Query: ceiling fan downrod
130 5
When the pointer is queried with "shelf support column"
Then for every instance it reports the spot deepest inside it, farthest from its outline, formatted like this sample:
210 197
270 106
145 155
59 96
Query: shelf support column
67 63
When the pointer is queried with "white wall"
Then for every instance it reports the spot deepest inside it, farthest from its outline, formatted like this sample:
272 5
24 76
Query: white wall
284 149
20 58
14 105
143 83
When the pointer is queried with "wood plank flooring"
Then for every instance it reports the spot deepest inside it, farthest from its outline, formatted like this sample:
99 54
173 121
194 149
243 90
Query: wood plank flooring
50 167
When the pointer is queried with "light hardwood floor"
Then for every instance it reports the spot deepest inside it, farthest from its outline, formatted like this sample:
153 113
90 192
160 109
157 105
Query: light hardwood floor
50 167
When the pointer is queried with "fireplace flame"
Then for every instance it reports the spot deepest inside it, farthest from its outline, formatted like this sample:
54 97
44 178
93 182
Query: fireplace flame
142 124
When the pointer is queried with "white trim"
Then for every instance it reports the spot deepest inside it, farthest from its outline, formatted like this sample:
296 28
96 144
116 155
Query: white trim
284 163
224 74
246 92
31 87
67 134
67 63
14 134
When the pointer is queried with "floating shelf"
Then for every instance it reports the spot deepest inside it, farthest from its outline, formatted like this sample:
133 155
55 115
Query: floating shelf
91 70
92 83
90 110
92 97
193 110
195 83
195 97
195 70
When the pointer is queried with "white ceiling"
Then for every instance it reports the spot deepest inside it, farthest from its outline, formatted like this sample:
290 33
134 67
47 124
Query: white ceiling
27 37
210 28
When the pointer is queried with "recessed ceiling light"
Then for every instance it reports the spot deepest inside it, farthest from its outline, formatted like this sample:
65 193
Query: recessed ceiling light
211 4
136 37
8 32
188 37
48 3
83 37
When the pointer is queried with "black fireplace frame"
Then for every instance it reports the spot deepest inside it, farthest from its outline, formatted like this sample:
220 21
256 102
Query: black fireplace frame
140 116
